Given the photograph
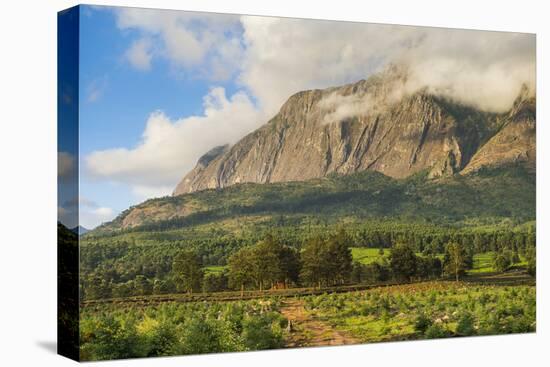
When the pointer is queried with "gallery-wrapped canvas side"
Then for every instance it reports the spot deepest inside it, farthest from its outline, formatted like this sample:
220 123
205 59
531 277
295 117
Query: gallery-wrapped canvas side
67 185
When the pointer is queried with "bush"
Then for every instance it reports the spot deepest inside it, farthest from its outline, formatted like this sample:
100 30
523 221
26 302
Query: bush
161 340
109 338
208 336
262 332
465 326
436 331
422 323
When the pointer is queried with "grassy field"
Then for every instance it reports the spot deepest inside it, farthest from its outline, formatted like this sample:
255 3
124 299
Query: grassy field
366 256
483 263
214 269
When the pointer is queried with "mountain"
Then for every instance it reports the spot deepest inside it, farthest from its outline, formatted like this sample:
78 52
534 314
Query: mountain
372 125
514 142
367 150
80 230
486 196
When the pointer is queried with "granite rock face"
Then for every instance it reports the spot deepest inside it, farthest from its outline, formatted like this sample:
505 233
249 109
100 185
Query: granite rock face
373 124
515 142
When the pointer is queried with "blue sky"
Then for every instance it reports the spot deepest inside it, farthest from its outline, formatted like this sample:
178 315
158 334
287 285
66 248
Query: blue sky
160 88
116 99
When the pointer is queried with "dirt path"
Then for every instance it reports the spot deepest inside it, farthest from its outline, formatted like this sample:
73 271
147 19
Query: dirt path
307 331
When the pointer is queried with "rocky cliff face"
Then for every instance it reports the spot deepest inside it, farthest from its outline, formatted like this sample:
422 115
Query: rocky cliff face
514 142
369 125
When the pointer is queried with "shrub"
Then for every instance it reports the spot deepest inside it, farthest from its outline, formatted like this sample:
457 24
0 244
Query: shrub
435 331
465 326
208 336
262 332
422 323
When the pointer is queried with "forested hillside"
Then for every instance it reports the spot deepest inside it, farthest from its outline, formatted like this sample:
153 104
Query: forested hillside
485 197
490 210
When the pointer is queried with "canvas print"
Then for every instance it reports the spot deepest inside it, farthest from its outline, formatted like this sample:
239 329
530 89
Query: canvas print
239 183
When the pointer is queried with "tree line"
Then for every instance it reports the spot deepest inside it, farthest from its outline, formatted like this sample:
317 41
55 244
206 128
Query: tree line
322 260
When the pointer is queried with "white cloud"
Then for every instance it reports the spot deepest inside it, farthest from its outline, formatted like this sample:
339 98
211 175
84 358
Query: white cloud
88 213
146 192
90 218
140 54
61 211
483 68
66 165
96 88
284 56
91 214
271 58
103 211
169 148
208 44
67 216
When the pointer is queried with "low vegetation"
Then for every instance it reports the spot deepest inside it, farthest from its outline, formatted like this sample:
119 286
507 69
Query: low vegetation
415 311
176 328
428 310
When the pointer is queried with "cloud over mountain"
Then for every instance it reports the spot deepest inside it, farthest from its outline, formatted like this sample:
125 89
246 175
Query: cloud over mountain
169 146
267 59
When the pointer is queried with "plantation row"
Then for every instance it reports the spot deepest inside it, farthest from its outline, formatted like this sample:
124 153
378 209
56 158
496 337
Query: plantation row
425 310
175 328
323 261
429 310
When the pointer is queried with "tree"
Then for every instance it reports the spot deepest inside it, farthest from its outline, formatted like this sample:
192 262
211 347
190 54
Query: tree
215 282
258 333
502 261
314 261
266 265
289 261
358 272
422 323
342 260
241 268
327 261
375 272
456 260
403 261
187 270
429 267
143 286
207 336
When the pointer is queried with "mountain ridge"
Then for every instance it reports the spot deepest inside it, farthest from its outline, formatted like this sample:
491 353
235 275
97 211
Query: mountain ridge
369 132
372 124
487 194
